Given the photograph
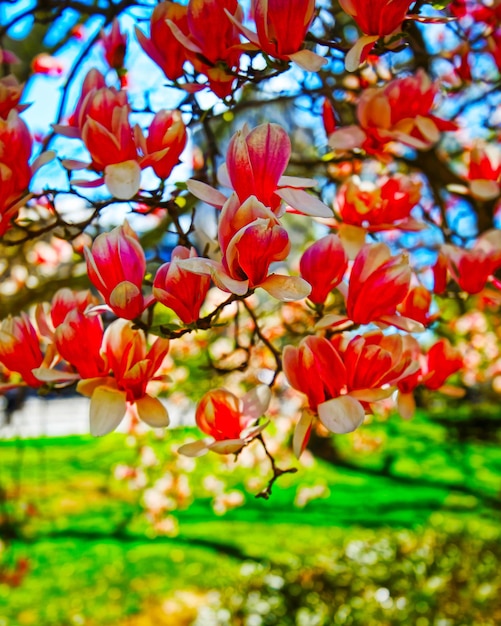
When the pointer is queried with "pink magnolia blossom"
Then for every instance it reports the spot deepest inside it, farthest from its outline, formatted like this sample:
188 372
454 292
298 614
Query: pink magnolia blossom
378 283
372 207
416 305
442 360
101 120
116 266
340 381
20 348
213 41
400 111
281 30
115 46
435 367
182 291
78 340
65 300
162 46
93 81
15 170
382 18
473 268
108 136
164 144
229 421
250 238
133 366
255 164
484 172
323 266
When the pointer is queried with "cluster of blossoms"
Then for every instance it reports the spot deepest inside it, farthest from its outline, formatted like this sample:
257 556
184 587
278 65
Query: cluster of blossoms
399 112
113 367
119 151
341 377
356 297
180 34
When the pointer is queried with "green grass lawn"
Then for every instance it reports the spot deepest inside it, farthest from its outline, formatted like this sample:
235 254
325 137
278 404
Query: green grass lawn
408 534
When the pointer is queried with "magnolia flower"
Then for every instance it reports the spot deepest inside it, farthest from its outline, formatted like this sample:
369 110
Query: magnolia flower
378 283
212 36
372 207
255 163
132 367
473 268
416 305
78 340
379 19
178 289
250 238
65 301
108 136
484 172
104 127
281 30
435 367
20 348
400 111
382 18
116 266
340 381
162 46
229 421
164 144
323 265
15 169
92 82
115 46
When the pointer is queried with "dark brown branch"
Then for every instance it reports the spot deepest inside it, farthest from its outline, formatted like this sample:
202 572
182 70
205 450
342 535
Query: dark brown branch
277 472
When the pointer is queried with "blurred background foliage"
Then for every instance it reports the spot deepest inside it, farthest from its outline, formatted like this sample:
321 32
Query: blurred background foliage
400 527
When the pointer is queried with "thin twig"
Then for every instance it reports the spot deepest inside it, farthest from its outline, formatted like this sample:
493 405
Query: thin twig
277 472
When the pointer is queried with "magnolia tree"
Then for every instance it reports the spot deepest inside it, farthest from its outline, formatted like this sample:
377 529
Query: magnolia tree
284 213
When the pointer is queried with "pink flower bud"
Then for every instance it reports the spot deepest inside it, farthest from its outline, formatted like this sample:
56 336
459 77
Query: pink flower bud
116 266
378 283
115 46
165 142
181 290
323 265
